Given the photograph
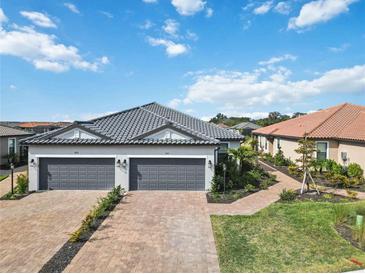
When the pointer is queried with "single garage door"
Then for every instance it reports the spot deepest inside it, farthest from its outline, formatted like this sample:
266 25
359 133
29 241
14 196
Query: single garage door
76 173
167 174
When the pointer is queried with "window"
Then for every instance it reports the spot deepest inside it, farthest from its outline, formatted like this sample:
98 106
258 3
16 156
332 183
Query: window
265 144
11 145
223 147
222 152
322 150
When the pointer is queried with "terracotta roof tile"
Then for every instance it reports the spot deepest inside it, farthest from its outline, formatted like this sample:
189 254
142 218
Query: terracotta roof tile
344 121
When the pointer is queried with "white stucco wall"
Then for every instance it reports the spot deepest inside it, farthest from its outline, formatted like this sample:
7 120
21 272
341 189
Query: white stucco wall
118 152
355 153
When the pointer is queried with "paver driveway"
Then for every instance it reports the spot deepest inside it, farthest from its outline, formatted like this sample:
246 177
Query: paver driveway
34 228
152 231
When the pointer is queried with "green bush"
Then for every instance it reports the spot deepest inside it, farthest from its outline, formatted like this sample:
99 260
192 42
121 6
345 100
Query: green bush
355 171
280 160
288 195
332 167
264 184
217 184
21 184
250 188
102 207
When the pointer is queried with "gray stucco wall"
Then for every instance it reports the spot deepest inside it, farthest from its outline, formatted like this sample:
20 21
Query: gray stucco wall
4 147
119 152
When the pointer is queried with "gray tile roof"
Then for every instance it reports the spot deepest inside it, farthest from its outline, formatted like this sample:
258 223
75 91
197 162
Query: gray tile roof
246 125
128 127
9 131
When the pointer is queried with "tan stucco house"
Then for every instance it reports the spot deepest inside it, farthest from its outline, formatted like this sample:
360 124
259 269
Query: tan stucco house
339 133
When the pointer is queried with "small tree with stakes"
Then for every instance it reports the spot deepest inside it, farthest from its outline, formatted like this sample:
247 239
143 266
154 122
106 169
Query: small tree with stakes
306 150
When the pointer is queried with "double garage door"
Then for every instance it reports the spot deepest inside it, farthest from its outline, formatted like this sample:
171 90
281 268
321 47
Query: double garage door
76 173
99 173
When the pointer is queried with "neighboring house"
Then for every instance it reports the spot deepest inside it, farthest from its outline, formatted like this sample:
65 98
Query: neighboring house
339 133
150 147
246 128
221 125
41 127
9 144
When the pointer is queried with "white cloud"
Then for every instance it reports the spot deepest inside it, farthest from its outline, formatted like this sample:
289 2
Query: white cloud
43 51
107 14
283 8
150 1
12 86
72 7
209 12
278 59
188 7
172 49
264 8
234 90
191 35
146 25
174 103
104 60
3 17
319 11
339 49
38 19
171 27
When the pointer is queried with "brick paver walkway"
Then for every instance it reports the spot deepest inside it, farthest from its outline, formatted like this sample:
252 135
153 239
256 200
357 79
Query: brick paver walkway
259 200
152 231
34 228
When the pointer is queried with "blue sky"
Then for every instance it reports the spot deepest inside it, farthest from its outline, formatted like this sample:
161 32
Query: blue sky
75 60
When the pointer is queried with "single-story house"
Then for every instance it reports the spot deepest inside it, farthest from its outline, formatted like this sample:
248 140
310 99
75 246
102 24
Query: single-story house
150 147
339 133
10 145
245 128
41 127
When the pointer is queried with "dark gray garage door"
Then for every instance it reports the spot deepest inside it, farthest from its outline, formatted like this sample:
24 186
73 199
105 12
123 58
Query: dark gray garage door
167 174
80 173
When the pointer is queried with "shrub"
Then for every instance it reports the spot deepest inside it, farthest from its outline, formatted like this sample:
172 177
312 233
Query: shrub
217 184
265 184
103 205
250 188
351 194
332 167
268 157
355 171
288 195
280 160
293 170
22 184
327 196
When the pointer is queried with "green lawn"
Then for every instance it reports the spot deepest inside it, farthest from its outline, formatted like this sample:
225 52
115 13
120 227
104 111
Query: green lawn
295 237
2 177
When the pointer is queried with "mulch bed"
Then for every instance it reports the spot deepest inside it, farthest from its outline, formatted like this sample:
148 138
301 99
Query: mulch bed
346 233
323 197
68 251
227 198
321 181
8 196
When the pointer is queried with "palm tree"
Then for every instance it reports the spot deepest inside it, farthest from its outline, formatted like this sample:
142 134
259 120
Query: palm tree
245 156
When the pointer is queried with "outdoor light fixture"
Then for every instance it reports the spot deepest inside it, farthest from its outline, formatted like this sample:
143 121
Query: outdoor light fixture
119 163
32 162
210 164
124 163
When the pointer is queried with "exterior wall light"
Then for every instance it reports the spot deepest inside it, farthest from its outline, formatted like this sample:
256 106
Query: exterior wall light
32 163
124 164
119 163
210 164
